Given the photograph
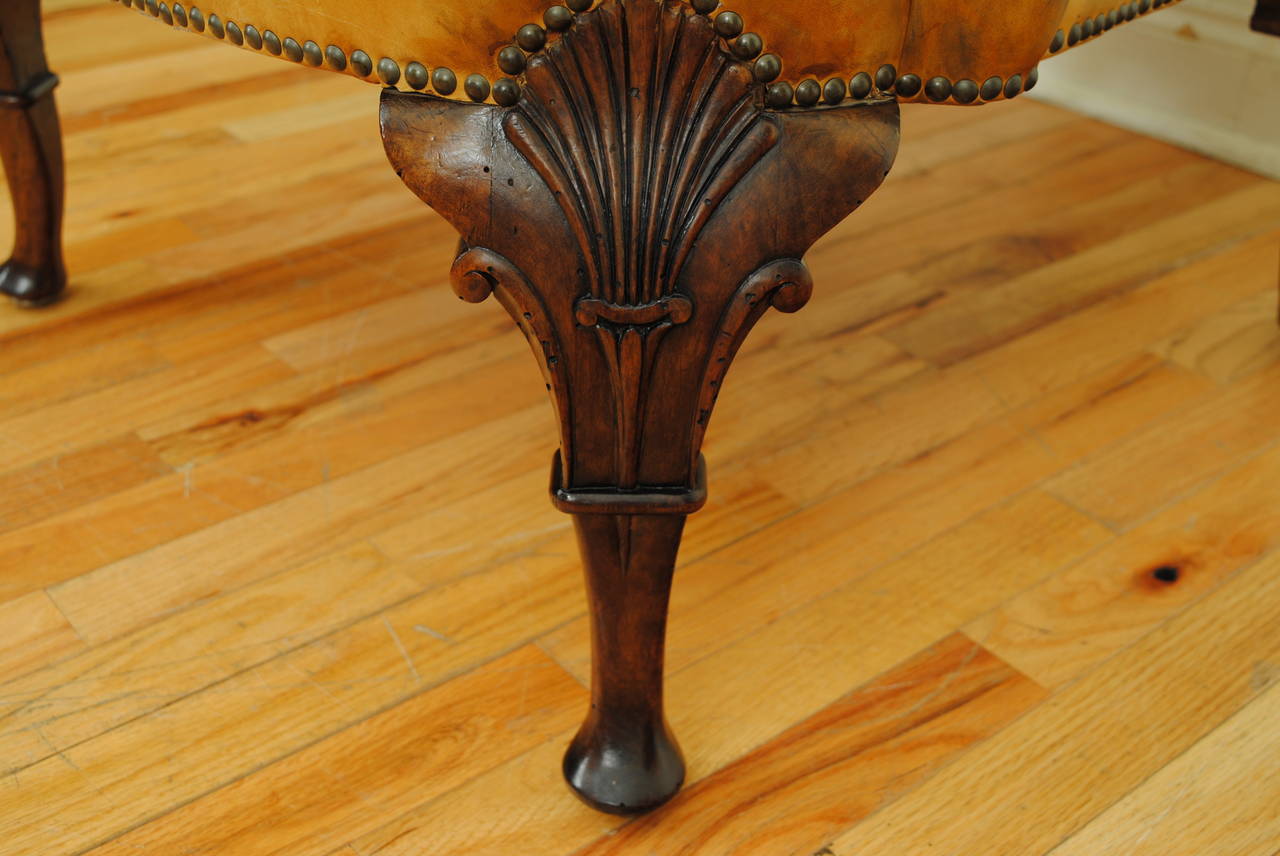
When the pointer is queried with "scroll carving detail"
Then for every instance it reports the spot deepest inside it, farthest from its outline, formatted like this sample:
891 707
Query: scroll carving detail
636 209
640 207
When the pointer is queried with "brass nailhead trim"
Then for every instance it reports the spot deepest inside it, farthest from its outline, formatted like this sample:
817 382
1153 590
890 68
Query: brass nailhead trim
747 47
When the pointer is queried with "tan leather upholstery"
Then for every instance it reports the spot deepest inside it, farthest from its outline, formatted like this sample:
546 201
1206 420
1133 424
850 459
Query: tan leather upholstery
973 40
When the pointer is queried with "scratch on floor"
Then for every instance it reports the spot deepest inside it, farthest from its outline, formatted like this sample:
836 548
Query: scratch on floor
311 681
185 471
407 659
55 749
436 634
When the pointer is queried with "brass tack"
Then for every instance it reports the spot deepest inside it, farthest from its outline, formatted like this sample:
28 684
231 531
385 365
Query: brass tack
779 95
1032 79
272 43
747 46
1013 86
388 71
860 85
312 54
166 15
1059 39
991 88
557 18
886 75
444 81
233 33
767 68
579 5
965 91
476 87
361 64
252 37
179 15
215 26
908 85
197 19
336 58
705 7
728 24
292 50
833 90
506 92
511 59
938 89
415 74
531 37
1077 33
808 92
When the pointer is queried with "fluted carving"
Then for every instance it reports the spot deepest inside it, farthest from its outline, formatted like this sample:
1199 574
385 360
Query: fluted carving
636 208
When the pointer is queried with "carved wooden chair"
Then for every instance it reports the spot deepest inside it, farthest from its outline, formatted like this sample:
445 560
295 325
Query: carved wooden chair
636 181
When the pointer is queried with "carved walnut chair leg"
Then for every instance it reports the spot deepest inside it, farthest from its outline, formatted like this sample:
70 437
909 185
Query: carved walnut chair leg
31 148
635 206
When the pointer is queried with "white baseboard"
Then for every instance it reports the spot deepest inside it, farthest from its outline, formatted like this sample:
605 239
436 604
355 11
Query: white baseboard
1194 75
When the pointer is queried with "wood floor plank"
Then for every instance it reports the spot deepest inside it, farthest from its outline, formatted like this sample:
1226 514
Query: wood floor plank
796 792
1217 797
961 226
194 745
1135 476
1030 366
70 375
731 595
1230 345
999 313
69 480
110 412
1078 753
1080 419
341 787
78 698
32 632
241 548
538 814
198 315
843 641
1014 159
1067 624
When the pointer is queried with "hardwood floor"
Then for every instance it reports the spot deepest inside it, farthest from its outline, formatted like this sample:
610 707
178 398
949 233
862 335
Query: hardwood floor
991 563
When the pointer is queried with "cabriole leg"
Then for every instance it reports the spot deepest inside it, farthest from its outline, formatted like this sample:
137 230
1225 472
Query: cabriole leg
625 759
31 149
636 207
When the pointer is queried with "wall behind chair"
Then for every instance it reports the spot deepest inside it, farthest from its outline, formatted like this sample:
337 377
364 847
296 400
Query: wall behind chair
1194 75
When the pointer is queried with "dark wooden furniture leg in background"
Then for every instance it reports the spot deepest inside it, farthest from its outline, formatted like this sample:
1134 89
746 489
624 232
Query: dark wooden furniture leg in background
1266 17
31 148
635 206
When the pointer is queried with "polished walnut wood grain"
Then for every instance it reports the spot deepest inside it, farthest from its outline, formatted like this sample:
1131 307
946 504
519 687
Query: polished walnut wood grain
31 149
635 213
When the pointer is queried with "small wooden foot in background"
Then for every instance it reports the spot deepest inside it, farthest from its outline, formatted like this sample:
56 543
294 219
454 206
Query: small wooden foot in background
31 149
